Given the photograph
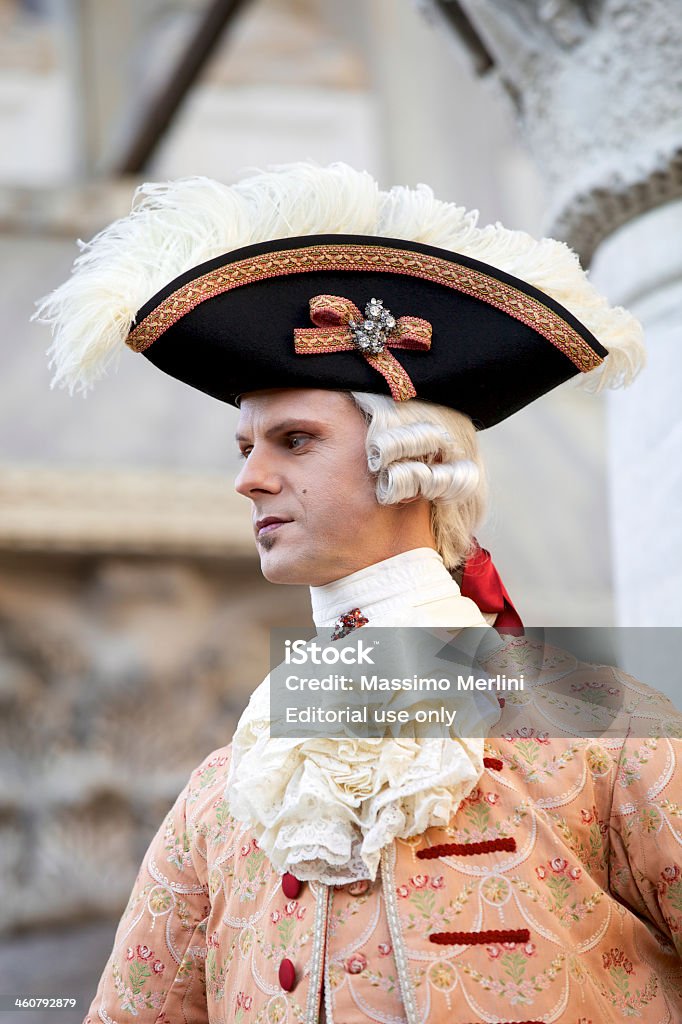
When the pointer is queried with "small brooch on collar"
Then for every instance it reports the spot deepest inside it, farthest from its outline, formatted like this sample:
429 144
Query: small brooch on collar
346 623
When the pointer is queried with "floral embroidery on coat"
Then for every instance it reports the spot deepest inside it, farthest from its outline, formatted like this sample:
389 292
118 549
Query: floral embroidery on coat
595 878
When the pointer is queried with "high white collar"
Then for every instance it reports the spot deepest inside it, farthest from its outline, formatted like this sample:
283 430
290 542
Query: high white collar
412 588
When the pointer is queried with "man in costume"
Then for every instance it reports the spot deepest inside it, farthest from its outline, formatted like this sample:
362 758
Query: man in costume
365 336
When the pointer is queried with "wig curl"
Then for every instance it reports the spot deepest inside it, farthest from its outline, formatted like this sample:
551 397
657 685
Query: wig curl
417 449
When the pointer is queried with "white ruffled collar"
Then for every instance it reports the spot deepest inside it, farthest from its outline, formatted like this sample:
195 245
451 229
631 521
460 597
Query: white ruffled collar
324 808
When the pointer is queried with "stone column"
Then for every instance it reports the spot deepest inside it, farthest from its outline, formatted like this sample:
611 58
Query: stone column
596 86
640 267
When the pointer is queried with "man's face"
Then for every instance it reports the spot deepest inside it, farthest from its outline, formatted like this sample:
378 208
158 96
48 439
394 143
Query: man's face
314 509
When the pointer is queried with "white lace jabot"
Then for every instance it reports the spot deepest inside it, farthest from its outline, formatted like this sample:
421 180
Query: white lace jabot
324 808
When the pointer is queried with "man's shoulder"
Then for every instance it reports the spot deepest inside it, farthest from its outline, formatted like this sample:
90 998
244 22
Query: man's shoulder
210 776
563 695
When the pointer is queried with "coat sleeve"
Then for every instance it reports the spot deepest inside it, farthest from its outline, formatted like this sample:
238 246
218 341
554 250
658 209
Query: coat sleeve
155 974
645 868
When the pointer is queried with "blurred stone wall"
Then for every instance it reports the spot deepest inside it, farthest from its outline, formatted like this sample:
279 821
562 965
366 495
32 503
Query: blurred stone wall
117 676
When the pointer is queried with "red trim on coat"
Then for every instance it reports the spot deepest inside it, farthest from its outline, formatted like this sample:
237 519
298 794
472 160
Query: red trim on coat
467 849
480 938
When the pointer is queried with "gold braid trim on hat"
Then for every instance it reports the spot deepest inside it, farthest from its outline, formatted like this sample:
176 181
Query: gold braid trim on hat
368 259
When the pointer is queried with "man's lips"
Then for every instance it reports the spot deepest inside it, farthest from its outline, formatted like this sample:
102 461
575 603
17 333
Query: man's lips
268 524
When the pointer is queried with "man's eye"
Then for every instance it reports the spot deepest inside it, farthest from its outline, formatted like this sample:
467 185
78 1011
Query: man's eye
244 453
297 440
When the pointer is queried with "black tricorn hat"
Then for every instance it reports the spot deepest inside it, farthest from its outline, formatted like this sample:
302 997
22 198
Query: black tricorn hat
484 322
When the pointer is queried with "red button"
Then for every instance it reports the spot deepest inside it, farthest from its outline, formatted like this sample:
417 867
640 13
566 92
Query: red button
287 975
290 886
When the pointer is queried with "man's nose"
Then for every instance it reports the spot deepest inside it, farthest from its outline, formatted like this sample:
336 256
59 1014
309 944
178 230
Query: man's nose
257 475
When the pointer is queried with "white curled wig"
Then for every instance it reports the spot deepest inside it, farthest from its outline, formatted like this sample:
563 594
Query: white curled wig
419 449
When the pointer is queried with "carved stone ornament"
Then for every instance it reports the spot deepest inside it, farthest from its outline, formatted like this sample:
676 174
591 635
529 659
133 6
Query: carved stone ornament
597 85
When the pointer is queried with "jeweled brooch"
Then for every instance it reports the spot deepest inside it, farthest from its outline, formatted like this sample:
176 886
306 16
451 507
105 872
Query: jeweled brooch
346 623
372 333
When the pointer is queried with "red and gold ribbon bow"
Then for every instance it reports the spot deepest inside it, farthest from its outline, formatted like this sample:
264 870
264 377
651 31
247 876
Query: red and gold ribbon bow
341 327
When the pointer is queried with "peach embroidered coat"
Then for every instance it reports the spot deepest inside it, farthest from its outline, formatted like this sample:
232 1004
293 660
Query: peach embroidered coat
555 895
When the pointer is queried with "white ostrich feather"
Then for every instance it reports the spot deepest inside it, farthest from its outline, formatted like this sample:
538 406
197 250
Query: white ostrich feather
177 225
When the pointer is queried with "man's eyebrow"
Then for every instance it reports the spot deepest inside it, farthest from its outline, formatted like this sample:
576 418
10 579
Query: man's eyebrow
291 425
